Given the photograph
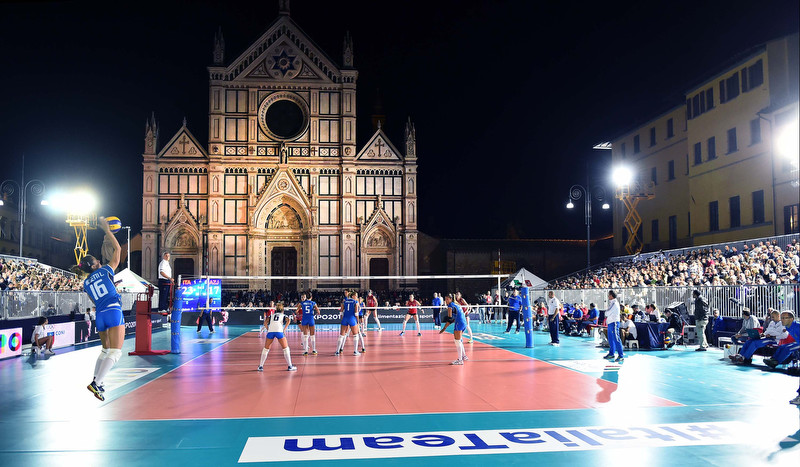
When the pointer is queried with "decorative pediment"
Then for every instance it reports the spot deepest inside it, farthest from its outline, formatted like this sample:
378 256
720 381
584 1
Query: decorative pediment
183 145
282 204
182 231
379 231
282 52
379 148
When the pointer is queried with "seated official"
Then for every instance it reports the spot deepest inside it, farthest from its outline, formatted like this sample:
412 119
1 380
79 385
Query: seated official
748 322
571 320
652 313
40 339
674 324
783 352
775 331
717 323
627 329
591 316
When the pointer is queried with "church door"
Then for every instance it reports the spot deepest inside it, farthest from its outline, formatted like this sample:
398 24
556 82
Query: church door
183 267
284 263
379 267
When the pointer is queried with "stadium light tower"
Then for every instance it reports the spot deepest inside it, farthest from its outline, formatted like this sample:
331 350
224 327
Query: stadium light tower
35 187
630 191
79 206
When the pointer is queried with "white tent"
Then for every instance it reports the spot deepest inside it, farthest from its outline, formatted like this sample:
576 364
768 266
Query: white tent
128 281
523 277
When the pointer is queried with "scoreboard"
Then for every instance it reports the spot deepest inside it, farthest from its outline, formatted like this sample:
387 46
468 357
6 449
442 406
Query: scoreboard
195 293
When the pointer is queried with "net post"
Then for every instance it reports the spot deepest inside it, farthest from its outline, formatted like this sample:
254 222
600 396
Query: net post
527 316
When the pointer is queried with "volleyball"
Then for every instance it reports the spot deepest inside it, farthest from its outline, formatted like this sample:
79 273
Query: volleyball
114 224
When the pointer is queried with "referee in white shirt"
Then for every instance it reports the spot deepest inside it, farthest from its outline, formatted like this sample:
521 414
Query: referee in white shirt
164 283
554 308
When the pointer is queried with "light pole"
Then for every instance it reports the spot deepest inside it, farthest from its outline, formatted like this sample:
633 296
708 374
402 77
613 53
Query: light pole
9 187
577 192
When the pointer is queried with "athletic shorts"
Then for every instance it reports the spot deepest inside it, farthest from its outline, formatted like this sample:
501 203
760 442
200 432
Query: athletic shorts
274 335
412 313
307 321
460 326
349 321
109 318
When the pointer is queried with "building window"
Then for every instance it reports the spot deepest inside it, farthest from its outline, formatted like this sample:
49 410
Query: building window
713 216
722 97
652 136
732 145
328 255
636 144
654 230
791 219
235 184
670 128
696 111
755 131
732 87
622 149
744 79
235 211
710 98
236 129
235 255
328 103
673 231
671 170
328 212
756 74
689 114
235 101
712 148
758 207
698 154
654 176
733 204
328 185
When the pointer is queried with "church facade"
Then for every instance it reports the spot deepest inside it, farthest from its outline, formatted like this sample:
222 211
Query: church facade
281 188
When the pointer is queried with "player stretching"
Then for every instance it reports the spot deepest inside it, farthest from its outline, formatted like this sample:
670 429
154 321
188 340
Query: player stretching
110 324
455 315
348 312
277 322
412 311
309 309
465 307
372 308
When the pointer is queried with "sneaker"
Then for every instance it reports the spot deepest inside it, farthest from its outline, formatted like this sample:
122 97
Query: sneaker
291 368
505 332
260 368
700 349
402 332
469 341
337 353
555 344
517 331
464 358
305 354
355 353
609 357
380 329
419 334
314 352
198 332
212 331
364 350
771 362
733 357
49 352
457 362
620 359
92 387
101 388
796 400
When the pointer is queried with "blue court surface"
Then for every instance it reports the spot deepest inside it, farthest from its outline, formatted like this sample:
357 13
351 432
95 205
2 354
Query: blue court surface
400 403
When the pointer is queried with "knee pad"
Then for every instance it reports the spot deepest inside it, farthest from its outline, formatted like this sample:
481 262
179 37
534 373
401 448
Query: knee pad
113 354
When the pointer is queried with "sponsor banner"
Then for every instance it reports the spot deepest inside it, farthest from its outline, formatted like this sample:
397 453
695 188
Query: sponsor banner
243 317
511 441
64 334
85 331
156 320
10 342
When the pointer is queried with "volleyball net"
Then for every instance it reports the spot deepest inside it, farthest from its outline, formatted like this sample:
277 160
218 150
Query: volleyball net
247 299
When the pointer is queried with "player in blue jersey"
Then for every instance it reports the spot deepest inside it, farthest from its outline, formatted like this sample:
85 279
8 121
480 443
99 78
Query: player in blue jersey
110 324
309 309
348 312
455 316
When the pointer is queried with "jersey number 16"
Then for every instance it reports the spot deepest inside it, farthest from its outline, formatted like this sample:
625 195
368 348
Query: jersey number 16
98 289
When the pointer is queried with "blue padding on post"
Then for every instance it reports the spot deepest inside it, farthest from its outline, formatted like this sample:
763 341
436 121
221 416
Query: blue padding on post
527 315
175 324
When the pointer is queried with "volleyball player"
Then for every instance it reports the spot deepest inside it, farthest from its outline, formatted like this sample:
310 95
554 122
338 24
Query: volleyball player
361 317
455 316
277 323
99 285
372 308
465 307
309 310
412 305
348 312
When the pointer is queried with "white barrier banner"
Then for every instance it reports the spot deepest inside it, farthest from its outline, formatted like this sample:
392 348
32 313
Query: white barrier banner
10 342
512 441
64 334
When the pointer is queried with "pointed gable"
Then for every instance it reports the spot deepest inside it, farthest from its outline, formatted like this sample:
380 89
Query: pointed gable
379 148
283 52
182 229
183 145
379 219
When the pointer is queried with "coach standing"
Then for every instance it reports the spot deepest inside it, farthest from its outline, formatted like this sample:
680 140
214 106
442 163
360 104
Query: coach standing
514 307
700 318
553 316
164 283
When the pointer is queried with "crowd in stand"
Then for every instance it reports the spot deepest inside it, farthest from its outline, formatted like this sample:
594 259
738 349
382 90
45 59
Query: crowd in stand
762 263
19 274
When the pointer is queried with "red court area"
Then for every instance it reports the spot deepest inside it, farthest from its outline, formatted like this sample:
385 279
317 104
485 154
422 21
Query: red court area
397 375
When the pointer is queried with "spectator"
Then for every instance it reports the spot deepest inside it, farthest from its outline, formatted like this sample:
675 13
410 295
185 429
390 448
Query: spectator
748 322
627 329
716 322
775 331
590 317
783 352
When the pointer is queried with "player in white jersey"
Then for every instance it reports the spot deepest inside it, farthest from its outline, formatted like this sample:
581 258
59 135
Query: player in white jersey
277 323
465 307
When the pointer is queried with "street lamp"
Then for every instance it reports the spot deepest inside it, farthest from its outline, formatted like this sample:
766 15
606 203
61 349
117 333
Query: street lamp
128 258
599 193
36 188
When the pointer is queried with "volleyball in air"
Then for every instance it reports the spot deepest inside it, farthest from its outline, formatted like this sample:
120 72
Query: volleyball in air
114 224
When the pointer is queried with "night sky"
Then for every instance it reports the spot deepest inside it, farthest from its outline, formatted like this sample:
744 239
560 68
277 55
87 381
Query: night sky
508 98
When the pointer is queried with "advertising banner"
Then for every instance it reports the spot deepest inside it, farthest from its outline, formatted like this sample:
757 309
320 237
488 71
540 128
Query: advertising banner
254 318
64 334
10 342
